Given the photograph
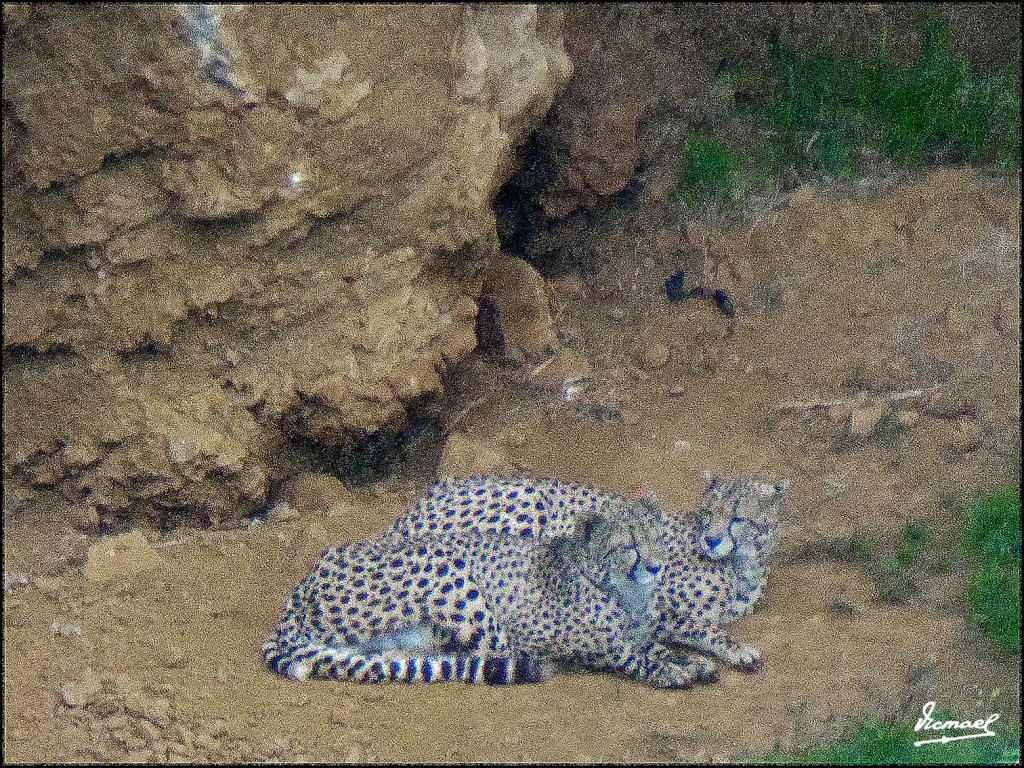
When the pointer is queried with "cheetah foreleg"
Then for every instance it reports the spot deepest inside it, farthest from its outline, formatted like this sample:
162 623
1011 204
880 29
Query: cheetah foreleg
657 666
711 639
703 670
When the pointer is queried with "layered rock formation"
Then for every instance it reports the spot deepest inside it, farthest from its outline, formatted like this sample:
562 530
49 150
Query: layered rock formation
231 227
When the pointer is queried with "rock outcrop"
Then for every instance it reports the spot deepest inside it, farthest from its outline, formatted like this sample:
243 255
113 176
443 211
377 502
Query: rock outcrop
230 227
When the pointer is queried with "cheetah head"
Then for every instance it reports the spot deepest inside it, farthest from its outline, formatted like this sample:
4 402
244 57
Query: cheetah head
625 552
739 514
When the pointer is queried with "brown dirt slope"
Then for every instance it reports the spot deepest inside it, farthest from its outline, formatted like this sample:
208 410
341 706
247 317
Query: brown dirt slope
874 359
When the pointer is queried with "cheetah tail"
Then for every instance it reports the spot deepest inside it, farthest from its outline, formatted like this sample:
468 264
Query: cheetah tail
348 663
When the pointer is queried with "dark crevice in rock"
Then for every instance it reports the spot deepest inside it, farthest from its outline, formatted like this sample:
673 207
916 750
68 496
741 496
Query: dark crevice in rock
25 354
411 450
490 338
554 246
517 206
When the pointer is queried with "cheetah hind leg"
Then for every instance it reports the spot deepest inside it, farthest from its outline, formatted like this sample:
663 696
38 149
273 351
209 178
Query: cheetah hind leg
421 638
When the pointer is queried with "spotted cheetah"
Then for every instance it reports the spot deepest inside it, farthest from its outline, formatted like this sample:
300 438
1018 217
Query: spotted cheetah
718 559
481 607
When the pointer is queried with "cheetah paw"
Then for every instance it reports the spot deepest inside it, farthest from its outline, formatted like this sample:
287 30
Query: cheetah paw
532 669
706 670
746 658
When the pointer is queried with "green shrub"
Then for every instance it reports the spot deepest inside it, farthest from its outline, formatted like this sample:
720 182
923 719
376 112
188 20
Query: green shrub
813 126
993 535
933 104
829 108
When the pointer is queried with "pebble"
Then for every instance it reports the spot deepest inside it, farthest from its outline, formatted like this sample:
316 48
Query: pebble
908 418
15 580
967 438
65 629
319 493
656 356
865 419
839 413
82 692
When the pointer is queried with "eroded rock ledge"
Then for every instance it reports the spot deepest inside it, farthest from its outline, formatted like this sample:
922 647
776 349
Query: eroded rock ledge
230 226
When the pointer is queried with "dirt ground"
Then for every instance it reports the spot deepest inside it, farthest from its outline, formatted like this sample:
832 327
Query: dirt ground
873 359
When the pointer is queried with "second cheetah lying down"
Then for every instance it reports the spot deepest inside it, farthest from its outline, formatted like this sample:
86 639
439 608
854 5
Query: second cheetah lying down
717 559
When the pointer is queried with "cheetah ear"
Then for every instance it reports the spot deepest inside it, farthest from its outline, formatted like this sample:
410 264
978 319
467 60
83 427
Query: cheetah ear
592 526
651 504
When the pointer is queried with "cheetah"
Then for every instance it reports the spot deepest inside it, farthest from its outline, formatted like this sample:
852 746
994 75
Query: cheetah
718 559
480 607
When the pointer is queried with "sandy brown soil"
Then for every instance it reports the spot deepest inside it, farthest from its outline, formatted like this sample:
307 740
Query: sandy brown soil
896 299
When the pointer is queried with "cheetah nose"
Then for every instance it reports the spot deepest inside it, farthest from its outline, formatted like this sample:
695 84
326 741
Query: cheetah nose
712 541
654 570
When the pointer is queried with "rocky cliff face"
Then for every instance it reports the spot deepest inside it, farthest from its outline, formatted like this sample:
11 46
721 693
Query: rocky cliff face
228 228
232 230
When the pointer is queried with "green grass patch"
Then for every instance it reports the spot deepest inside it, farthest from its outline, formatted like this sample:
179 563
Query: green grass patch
877 743
930 109
993 535
933 105
813 125
895 576
828 111
709 173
